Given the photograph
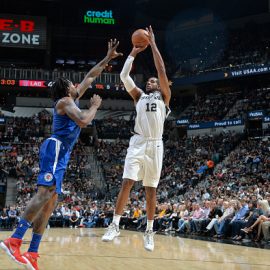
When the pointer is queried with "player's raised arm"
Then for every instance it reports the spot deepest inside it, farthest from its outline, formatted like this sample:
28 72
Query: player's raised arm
129 84
160 66
98 68
82 119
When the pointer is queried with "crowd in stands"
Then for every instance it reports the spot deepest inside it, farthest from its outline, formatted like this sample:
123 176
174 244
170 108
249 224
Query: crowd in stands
185 161
243 46
210 185
209 49
234 105
232 201
210 108
113 129
252 100
19 159
25 129
9 217
192 50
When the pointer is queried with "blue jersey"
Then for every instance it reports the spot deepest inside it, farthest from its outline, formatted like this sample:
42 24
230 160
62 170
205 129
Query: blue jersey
65 129
55 152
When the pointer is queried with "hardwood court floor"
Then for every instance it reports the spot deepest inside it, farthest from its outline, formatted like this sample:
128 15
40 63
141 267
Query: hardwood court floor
82 249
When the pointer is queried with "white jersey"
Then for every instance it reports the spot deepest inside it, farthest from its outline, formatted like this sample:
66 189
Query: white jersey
151 114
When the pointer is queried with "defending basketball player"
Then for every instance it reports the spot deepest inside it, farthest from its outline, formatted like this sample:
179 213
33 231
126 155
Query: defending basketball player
55 151
145 152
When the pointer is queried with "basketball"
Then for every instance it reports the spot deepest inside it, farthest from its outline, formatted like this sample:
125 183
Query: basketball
139 38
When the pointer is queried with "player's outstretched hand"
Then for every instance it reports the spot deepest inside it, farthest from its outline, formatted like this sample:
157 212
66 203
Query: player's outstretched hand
95 101
112 46
150 36
136 50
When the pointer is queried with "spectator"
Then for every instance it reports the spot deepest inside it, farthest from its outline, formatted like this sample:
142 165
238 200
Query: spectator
4 222
74 218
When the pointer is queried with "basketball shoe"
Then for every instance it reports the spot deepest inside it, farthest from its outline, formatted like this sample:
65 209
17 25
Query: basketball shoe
149 240
12 248
31 260
112 232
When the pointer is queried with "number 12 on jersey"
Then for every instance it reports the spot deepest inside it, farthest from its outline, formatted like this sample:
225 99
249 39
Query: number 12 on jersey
151 107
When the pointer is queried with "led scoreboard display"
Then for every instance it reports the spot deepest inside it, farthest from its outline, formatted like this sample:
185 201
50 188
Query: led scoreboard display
7 82
34 84
22 31
23 83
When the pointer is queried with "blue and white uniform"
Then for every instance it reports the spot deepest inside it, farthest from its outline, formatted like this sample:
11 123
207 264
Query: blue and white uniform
55 151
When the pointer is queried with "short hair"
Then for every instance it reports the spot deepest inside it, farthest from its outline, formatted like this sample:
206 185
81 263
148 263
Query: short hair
253 203
154 78
59 88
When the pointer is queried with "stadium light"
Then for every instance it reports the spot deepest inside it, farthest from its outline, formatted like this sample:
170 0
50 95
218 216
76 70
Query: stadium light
92 62
60 61
80 62
70 62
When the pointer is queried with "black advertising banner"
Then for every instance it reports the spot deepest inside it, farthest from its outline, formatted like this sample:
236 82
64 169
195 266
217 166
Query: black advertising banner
23 31
222 75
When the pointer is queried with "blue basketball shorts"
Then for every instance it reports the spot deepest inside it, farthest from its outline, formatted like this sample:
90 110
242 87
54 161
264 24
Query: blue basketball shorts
53 160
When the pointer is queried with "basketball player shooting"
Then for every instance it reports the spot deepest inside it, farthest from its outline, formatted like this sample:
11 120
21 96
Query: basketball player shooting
55 152
145 152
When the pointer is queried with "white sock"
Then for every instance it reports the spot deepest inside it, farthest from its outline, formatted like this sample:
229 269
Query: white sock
150 224
116 219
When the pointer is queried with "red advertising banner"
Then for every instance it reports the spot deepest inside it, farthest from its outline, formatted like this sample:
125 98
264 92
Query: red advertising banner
30 83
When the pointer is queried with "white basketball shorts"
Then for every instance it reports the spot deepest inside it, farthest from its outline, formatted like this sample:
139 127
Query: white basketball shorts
144 160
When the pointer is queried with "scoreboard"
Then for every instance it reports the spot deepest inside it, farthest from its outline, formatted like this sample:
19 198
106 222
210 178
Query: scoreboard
23 83
28 84
23 31
8 82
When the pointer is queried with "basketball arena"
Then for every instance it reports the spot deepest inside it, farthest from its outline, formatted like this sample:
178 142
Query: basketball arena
134 134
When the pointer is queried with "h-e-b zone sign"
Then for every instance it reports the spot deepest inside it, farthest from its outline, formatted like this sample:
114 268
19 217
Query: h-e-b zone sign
22 31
